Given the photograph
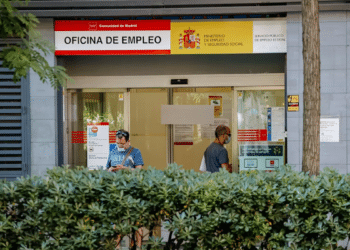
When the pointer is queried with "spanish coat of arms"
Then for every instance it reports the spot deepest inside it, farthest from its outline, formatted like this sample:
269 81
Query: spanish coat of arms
189 40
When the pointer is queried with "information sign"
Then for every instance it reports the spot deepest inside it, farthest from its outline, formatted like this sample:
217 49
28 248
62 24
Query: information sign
97 145
329 129
260 157
293 103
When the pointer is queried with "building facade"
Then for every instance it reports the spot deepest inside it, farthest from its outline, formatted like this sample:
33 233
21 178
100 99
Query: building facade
170 100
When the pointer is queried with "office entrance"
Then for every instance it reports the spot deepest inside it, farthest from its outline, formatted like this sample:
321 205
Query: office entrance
246 110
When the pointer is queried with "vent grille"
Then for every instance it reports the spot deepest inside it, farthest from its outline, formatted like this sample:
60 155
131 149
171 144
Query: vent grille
12 122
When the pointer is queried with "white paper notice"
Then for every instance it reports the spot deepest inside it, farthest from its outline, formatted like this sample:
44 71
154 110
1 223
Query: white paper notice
329 130
208 131
97 145
184 133
277 123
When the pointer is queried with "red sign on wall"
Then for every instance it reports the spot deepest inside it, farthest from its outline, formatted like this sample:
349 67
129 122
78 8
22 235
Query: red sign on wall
252 135
80 137
112 37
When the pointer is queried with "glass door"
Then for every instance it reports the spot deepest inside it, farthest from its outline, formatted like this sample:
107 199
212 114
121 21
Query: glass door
146 131
190 141
261 128
92 106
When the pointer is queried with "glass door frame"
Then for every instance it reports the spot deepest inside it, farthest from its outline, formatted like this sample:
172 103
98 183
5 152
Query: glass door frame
235 152
68 117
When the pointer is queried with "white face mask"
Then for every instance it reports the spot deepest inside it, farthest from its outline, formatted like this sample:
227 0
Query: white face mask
121 149
227 141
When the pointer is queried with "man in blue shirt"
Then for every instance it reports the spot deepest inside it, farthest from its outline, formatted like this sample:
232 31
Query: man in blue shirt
216 156
124 150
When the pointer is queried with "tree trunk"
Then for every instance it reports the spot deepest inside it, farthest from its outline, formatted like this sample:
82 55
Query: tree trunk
311 59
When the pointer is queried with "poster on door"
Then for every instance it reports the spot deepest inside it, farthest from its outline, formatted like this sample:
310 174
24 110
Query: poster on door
216 101
97 145
208 131
275 124
183 134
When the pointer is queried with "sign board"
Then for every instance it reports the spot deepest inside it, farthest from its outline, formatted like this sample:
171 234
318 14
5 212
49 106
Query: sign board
183 134
216 101
97 145
102 37
187 114
275 124
260 157
228 37
293 103
145 37
329 129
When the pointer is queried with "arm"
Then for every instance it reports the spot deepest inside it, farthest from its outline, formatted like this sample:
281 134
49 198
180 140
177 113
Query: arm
108 165
223 158
120 167
138 162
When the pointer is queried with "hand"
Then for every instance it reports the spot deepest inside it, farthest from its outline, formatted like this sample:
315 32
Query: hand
120 167
230 168
112 169
117 168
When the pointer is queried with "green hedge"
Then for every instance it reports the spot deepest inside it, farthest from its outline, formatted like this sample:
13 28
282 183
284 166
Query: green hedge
81 209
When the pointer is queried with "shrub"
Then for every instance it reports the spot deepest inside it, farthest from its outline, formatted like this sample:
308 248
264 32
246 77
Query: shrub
81 209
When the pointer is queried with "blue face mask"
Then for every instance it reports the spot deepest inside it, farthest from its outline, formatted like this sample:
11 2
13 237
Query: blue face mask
227 141
121 149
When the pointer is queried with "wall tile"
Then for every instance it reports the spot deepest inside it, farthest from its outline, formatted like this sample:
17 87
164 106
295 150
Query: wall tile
342 128
301 81
40 170
293 79
333 105
42 108
293 152
294 34
348 128
333 33
293 129
294 58
333 57
301 129
348 30
333 81
348 80
43 131
333 153
333 16
37 88
43 154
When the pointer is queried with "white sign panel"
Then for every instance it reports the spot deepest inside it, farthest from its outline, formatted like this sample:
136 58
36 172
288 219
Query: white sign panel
112 37
329 130
187 114
277 123
269 37
97 145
